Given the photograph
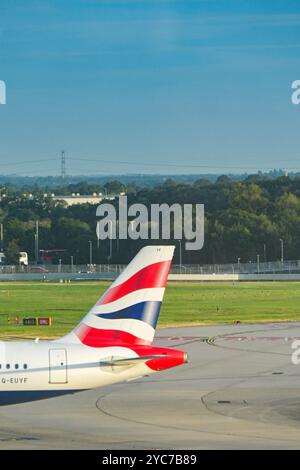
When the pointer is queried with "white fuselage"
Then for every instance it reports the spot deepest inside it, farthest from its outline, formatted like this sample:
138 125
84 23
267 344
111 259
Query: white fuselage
113 342
35 370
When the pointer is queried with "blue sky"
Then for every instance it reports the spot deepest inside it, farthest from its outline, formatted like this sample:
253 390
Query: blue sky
149 86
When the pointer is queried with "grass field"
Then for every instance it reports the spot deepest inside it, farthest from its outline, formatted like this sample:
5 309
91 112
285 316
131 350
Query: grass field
185 304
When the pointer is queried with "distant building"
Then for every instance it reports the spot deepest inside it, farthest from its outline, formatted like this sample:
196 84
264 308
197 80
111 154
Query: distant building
83 199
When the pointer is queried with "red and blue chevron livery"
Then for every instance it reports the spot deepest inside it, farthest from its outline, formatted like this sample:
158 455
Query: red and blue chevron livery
128 312
112 344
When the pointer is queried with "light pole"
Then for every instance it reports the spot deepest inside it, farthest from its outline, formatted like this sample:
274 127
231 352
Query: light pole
35 248
258 267
117 236
1 237
98 234
180 255
59 265
281 241
110 239
72 263
91 253
265 253
36 239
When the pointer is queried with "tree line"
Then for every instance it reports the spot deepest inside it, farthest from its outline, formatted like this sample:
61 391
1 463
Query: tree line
243 219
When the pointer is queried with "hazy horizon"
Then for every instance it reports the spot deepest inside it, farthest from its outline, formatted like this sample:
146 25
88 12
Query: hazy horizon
149 86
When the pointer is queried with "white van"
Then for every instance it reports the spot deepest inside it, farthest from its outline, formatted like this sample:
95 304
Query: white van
23 258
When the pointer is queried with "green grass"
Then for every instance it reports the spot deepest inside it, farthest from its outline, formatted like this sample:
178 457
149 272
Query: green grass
184 304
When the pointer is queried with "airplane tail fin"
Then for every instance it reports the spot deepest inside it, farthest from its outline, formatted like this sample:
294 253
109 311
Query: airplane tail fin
128 311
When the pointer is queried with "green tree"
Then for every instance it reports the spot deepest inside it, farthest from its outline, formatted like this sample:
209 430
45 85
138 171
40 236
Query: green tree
12 252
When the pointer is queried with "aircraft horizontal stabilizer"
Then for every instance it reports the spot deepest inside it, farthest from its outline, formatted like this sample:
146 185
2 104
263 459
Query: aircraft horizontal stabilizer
130 361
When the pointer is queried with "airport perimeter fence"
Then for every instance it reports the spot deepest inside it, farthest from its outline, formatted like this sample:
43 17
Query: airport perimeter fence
272 267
